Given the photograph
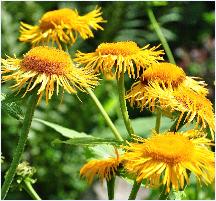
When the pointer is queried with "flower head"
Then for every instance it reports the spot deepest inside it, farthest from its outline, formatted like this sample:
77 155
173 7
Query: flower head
24 170
165 159
104 168
24 173
47 67
172 76
166 86
195 106
160 81
181 100
164 73
61 25
120 57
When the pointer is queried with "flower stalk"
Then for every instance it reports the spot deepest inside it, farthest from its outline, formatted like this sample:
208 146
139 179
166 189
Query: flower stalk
158 120
134 190
111 188
105 115
160 35
100 107
121 92
30 190
31 105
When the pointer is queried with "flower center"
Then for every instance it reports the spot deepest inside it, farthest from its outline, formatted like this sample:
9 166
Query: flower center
118 48
169 148
167 73
43 59
57 17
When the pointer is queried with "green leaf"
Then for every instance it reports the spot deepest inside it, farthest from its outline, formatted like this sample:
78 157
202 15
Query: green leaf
143 127
86 141
66 132
103 151
11 107
14 96
179 195
170 17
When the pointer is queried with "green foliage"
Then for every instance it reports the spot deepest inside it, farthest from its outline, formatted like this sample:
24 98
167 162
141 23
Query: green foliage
86 141
11 107
189 29
64 131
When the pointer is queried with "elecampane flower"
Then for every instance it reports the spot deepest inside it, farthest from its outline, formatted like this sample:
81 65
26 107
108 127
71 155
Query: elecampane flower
162 78
195 106
164 73
164 159
104 168
49 68
172 76
61 26
120 57
182 100
167 87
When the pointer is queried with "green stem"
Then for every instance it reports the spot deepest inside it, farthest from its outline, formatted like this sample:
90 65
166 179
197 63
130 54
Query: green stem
121 91
105 115
160 35
158 121
134 190
164 195
21 144
30 190
111 188
64 47
100 107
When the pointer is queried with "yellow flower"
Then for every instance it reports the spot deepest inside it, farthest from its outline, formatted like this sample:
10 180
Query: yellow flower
183 100
49 68
172 76
61 25
104 168
164 159
167 87
120 57
195 106
164 73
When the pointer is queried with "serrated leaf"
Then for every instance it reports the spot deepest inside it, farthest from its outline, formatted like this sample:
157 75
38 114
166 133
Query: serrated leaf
86 141
66 132
15 97
11 107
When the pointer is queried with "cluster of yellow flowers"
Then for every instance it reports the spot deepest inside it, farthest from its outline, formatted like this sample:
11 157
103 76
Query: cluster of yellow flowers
162 159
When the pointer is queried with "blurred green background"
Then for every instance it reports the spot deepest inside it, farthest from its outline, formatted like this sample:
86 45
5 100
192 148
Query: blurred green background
189 29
